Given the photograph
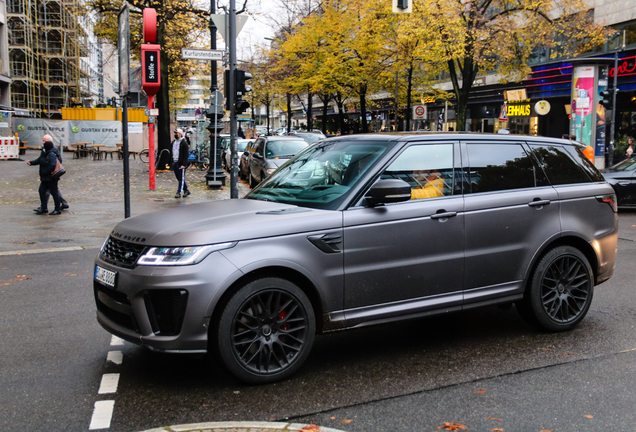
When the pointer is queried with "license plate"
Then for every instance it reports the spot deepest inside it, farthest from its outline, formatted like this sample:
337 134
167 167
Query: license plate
104 276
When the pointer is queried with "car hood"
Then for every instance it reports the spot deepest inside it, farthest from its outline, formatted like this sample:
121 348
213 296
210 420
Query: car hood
609 174
223 221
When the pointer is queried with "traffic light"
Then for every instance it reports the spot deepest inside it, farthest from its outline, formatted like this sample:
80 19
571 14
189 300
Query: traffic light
241 90
604 99
226 88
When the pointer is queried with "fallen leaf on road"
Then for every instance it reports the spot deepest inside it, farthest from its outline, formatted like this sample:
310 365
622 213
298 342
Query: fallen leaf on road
333 418
480 391
588 416
345 421
492 418
70 274
5 284
311 427
497 430
546 430
452 426
20 275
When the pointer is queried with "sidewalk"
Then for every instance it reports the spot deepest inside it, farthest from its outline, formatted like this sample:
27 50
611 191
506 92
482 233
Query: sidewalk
95 192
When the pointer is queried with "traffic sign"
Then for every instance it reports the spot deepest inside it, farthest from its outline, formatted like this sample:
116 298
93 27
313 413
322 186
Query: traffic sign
419 112
503 116
216 98
202 54
220 23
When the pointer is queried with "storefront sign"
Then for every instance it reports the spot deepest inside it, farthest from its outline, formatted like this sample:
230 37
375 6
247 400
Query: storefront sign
542 107
627 65
515 95
524 110
428 99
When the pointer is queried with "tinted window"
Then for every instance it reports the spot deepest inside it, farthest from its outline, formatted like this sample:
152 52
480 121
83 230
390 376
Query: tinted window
558 165
626 165
495 167
427 168
284 148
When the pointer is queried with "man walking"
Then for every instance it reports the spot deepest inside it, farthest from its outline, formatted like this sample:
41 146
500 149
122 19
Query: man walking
180 152
47 193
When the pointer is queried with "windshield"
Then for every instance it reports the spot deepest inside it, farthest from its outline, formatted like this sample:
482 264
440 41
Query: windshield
241 144
322 175
626 165
311 138
284 148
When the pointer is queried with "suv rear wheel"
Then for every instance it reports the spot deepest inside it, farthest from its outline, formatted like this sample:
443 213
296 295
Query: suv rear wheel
560 291
266 331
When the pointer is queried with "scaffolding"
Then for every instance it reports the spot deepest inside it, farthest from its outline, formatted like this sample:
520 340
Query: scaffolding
46 43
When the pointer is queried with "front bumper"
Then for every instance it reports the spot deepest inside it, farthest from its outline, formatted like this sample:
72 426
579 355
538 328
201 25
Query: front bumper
165 308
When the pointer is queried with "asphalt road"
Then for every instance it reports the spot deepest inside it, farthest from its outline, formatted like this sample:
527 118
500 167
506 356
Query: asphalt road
466 368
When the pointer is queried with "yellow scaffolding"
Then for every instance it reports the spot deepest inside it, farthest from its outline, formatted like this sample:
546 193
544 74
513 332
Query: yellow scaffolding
46 41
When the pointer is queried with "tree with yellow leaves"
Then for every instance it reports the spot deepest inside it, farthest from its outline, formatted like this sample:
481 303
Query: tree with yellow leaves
470 37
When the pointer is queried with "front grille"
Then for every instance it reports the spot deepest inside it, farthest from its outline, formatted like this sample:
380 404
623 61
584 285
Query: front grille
121 253
166 309
115 306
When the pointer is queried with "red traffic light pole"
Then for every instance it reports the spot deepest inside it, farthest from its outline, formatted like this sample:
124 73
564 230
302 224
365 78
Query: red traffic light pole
151 81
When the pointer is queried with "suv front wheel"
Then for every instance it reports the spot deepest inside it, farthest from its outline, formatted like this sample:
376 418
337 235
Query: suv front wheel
265 331
560 291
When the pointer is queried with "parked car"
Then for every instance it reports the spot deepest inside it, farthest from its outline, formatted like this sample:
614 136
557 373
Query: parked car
241 144
360 230
310 137
268 153
244 161
622 177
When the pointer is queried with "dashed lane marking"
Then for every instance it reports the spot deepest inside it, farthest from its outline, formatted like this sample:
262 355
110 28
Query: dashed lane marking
115 357
115 341
109 383
102 414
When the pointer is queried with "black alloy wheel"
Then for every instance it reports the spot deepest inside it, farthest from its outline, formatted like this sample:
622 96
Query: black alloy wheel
561 290
266 331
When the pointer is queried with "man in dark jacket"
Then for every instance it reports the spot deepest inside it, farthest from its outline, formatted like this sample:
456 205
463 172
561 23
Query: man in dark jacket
180 150
47 162
64 204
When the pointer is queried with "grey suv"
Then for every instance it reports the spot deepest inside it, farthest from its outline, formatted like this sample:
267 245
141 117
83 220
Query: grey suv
359 230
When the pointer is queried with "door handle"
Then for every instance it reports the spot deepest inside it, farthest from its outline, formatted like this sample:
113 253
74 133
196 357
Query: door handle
443 215
539 203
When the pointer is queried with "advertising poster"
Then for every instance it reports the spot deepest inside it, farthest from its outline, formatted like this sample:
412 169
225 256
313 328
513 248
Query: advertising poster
584 109
599 149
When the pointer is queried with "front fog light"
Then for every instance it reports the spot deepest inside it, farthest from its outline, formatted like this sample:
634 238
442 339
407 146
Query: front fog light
180 255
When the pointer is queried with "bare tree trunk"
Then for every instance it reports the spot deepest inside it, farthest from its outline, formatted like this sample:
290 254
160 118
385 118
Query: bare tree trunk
409 88
310 111
289 112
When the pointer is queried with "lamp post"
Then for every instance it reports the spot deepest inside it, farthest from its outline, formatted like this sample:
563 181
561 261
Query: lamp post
215 177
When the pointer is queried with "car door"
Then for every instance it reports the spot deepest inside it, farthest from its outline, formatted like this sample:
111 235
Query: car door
257 159
408 257
510 211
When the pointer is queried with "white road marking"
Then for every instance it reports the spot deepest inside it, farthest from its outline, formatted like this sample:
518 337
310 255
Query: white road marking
102 414
115 341
109 383
54 249
115 357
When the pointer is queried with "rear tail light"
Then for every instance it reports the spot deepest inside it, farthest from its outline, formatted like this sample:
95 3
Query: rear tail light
609 199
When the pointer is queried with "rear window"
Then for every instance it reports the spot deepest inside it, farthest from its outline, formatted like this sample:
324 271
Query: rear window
496 167
561 167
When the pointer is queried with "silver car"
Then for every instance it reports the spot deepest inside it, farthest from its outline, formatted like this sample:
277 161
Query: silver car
360 230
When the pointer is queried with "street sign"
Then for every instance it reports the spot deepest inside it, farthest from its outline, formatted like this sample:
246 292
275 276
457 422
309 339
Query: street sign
419 112
243 117
154 111
220 23
201 54
216 98
503 116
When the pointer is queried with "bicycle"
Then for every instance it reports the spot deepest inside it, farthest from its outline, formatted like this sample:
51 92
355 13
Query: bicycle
198 157
144 156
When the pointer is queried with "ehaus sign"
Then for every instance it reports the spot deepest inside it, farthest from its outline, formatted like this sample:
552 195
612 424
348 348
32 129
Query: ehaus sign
520 108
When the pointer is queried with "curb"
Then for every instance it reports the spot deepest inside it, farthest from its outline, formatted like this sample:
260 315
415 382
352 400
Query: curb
243 427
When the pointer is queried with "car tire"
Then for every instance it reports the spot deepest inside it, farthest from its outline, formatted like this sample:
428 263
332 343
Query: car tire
253 182
560 291
265 331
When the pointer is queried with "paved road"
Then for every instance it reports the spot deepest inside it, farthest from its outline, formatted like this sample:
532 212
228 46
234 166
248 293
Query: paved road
401 377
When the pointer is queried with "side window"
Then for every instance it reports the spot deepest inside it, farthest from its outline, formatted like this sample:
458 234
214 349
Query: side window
496 167
259 146
427 168
558 165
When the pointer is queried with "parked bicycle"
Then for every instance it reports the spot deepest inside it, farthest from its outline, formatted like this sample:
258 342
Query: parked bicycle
198 157
144 156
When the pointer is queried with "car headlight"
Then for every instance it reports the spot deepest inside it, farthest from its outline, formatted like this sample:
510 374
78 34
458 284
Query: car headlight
172 256
271 170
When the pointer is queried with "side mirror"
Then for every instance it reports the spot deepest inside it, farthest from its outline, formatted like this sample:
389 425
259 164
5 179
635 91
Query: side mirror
388 191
